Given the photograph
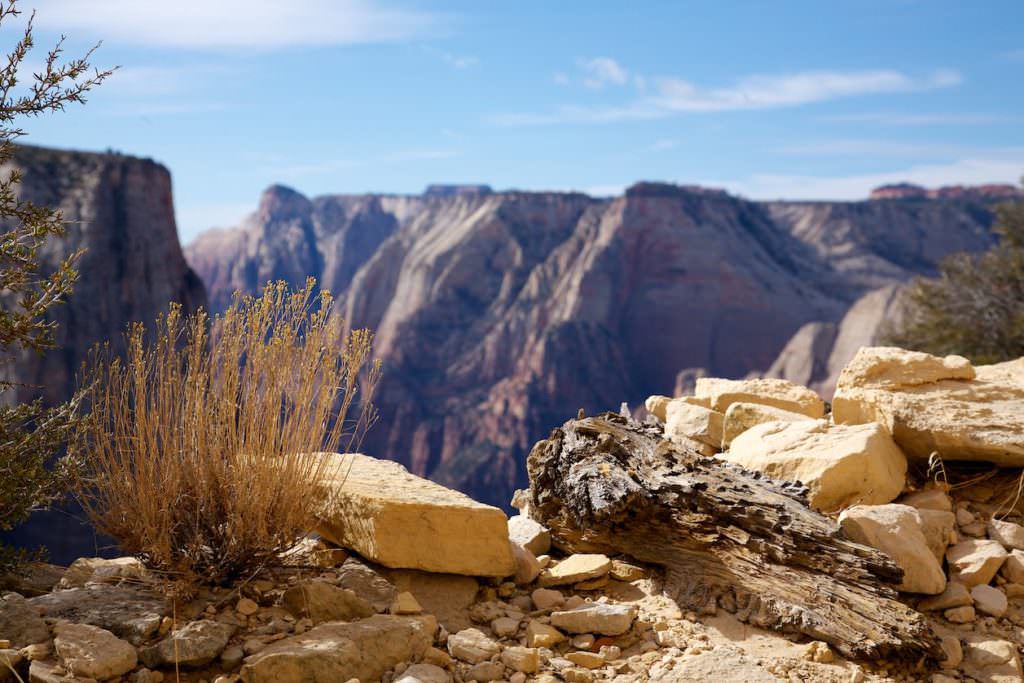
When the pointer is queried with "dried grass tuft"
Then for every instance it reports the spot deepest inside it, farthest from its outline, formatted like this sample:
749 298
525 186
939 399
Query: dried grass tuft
192 456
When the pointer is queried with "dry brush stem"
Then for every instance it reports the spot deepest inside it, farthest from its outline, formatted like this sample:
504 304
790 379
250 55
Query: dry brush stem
192 456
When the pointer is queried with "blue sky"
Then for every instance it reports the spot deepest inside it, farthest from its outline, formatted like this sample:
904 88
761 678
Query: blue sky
785 99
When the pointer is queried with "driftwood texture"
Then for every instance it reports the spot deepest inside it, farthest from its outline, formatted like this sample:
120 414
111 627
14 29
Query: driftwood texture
725 535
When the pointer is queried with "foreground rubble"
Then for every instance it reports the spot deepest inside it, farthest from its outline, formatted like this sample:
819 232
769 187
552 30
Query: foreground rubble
540 598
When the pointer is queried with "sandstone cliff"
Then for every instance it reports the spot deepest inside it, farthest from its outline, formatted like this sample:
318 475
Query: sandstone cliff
500 314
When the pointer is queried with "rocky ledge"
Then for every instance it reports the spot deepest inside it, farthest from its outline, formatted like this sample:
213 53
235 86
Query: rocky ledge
410 582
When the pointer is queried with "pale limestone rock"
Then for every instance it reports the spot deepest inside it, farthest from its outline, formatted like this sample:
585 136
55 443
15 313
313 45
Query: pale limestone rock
576 568
953 651
989 600
389 516
989 660
627 571
542 635
323 601
939 529
193 646
896 530
20 623
524 659
1009 534
505 627
530 534
546 598
247 607
778 393
86 569
92 652
596 617
424 673
929 499
335 651
472 646
960 615
740 417
935 404
841 465
975 562
955 595
688 421
1013 568
527 566
405 603
486 672
656 406
588 660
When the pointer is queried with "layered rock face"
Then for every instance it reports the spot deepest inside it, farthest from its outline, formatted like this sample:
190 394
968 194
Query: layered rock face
119 210
499 314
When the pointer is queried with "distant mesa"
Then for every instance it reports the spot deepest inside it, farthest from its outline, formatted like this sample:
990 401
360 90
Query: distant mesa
456 190
975 192
655 189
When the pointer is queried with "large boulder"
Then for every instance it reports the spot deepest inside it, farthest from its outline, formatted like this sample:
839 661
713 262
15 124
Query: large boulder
92 652
387 515
931 404
740 417
20 622
898 531
332 652
194 645
778 393
841 465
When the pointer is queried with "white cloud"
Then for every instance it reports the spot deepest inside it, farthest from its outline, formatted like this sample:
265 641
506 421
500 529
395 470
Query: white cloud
961 172
766 92
673 95
602 71
218 24
1014 55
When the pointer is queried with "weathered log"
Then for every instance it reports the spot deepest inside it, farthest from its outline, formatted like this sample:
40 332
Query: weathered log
725 536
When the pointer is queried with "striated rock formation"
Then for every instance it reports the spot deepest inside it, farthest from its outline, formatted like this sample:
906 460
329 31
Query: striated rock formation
119 209
499 314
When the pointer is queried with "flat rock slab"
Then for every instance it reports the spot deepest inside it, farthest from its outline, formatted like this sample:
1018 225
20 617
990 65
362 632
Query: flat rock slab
722 665
127 612
193 646
576 568
596 617
399 520
334 652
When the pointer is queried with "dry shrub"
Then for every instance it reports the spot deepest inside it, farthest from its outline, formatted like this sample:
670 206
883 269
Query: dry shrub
192 456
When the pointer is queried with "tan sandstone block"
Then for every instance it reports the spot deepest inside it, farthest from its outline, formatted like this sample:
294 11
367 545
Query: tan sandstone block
740 417
695 422
933 404
778 393
387 515
841 465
